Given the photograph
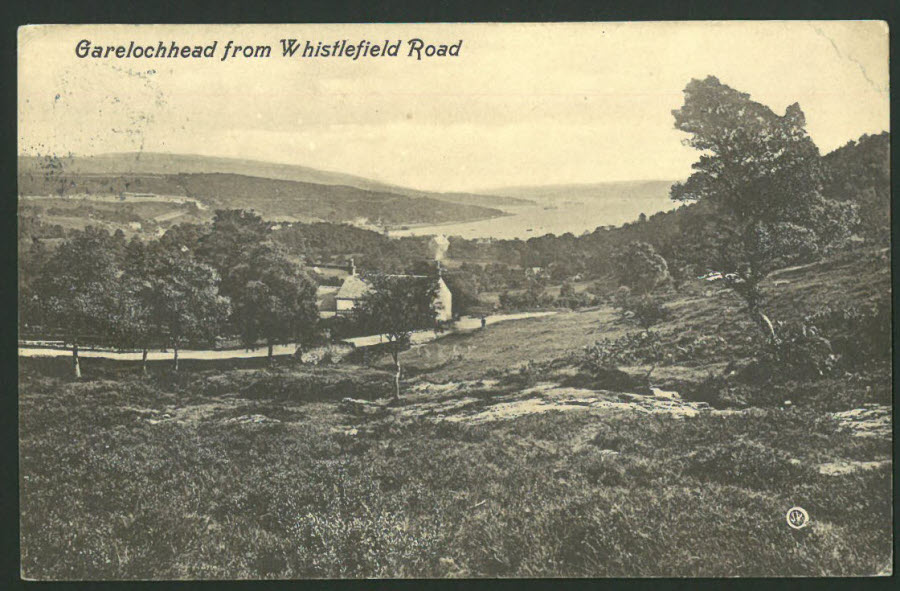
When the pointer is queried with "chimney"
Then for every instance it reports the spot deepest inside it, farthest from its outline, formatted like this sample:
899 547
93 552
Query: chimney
352 267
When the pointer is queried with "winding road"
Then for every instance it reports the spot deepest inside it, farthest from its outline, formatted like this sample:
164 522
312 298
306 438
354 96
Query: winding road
464 324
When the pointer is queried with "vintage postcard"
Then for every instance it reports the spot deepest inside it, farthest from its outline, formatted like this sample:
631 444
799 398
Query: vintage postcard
454 300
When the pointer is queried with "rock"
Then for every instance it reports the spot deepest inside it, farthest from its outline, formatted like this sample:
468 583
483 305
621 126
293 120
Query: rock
841 468
361 407
668 394
255 419
871 420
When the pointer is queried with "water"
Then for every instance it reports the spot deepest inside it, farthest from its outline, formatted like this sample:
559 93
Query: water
576 216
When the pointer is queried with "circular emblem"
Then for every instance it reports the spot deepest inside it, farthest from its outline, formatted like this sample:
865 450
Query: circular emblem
797 517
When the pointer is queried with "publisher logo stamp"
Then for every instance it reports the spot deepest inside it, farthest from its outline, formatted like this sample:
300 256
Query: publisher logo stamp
797 517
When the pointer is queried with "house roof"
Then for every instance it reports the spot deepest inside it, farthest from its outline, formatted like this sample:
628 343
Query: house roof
325 297
353 288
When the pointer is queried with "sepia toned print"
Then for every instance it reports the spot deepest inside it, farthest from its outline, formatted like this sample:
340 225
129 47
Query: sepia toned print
454 300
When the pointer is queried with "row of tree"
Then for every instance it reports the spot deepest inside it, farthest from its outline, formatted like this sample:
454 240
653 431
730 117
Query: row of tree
197 284
171 291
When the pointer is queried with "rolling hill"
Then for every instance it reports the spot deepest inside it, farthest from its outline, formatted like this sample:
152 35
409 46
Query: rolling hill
156 164
176 180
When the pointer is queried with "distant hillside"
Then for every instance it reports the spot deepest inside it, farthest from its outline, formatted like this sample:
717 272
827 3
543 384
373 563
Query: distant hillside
273 198
861 171
151 163
551 194
279 199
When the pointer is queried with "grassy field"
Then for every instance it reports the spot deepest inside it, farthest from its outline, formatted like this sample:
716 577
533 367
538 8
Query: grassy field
112 488
493 464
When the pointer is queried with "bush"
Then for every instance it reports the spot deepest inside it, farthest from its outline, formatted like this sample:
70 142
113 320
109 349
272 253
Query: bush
621 297
573 301
711 390
639 267
643 309
747 463
830 341
530 299
859 334
309 385
801 352
826 343
691 348
647 311
636 348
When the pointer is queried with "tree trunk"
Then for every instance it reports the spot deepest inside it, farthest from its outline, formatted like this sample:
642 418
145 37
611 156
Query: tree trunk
396 355
764 324
270 354
144 361
767 327
76 364
176 357
753 298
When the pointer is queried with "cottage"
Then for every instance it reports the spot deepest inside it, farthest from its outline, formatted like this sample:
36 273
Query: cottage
350 293
326 300
355 288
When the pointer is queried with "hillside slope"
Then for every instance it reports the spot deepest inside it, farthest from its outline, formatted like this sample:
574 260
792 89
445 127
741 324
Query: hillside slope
498 460
861 171
274 199
151 163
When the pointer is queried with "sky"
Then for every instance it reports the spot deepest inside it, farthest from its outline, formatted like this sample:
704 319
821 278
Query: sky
522 104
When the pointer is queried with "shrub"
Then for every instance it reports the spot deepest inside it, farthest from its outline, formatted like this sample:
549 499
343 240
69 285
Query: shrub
621 297
859 334
647 311
639 267
691 348
711 390
826 343
574 301
636 348
747 463
801 352
295 385
532 298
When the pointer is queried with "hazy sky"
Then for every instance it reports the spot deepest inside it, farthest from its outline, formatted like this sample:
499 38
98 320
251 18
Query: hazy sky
520 105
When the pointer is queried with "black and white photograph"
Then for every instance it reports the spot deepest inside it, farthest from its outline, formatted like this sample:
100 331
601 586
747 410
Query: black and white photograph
454 300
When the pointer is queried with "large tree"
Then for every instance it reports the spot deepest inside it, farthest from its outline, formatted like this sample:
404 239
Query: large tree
78 288
640 268
232 236
277 301
141 325
861 171
179 294
395 307
759 182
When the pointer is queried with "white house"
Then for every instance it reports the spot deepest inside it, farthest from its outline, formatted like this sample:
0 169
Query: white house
351 291
356 288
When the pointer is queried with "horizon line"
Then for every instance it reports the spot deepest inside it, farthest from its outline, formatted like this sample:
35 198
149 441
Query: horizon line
485 191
